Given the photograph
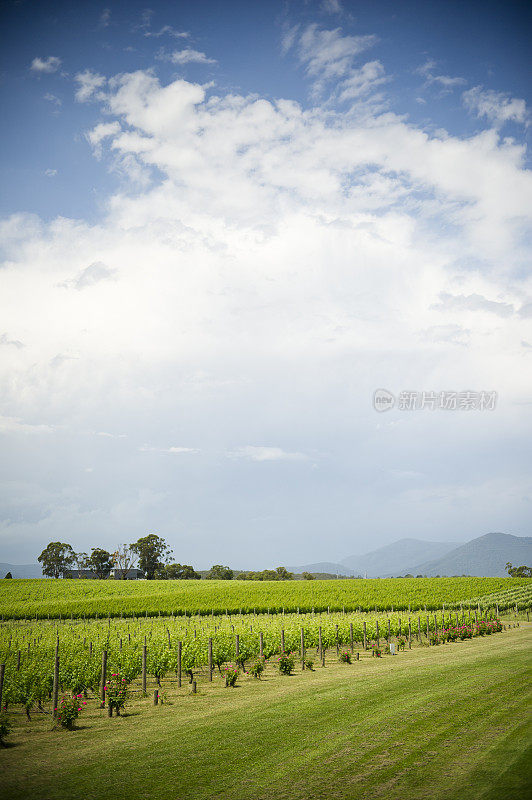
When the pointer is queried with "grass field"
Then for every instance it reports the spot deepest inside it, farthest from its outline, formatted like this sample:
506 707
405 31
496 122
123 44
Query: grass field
445 722
30 598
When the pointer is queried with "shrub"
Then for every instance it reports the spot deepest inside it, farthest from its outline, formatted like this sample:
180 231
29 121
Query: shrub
345 657
69 710
5 728
377 652
116 691
286 662
231 674
257 667
401 643
309 663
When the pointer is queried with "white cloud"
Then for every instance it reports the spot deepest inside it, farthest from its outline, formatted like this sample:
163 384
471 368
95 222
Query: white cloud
167 30
189 56
16 425
362 81
56 101
45 65
495 106
105 18
172 450
94 273
281 264
446 83
327 54
332 6
473 302
5 340
253 453
50 173
88 85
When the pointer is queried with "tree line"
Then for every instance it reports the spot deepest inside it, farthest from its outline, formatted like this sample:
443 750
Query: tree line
150 554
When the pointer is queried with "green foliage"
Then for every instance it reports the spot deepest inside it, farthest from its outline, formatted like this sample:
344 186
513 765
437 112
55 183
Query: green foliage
307 576
219 573
231 674
345 657
116 692
518 572
152 552
6 726
181 572
309 663
30 598
8 575
69 709
257 667
101 562
56 558
286 663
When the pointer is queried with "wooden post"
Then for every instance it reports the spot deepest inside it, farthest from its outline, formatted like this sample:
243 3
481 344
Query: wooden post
103 677
409 634
377 632
358 656
320 643
2 673
302 648
194 687
428 627
364 642
210 659
237 647
156 697
419 629
337 642
169 641
389 631
179 650
261 644
282 640
144 654
55 690
351 636
18 660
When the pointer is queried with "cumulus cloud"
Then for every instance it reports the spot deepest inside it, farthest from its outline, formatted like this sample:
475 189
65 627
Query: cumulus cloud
5 340
45 65
50 173
279 264
168 30
495 106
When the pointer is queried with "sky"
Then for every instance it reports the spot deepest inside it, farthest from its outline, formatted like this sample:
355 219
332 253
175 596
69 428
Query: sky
223 228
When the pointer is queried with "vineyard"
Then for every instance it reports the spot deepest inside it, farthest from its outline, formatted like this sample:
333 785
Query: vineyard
143 648
83 598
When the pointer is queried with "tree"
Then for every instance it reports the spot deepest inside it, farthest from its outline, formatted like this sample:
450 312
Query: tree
124 558
153 553
283 574
56 558
81 560
8 575
181 572
518 572
101 562
307 576
219 573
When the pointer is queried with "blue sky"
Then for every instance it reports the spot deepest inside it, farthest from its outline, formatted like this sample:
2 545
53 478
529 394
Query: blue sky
223 227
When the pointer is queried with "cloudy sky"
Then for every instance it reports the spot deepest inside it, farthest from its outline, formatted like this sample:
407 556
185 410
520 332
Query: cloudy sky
223 227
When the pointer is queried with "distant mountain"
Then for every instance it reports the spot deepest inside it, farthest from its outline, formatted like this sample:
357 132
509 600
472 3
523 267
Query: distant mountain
397 558
328 567
21 570
485 556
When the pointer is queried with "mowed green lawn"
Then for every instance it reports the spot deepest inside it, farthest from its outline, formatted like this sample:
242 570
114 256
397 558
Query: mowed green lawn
444 722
